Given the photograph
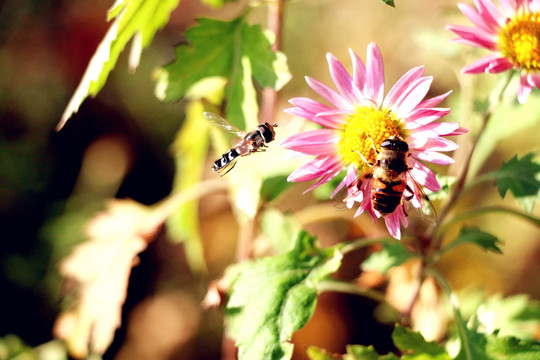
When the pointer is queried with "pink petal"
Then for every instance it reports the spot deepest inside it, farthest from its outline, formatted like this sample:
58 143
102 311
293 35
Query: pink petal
535 79
330 95
359 70
347 180
375 74
509 7
458 131
424 116
343 80
408 100
435 129
314 142
481 65
423 175
524 89
310 109
499 65
431 144
320 166
416 201
434 101
490 13
393 224
476 18
474 36
433 157
402 85
326 178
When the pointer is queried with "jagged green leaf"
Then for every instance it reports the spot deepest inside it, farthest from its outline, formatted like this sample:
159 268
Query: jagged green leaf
232 49
315 353
392 254
279 228
389 3
416 347
522 178
446 183
501 126
132 19
273 297
516 315
360 352
489 347
477 237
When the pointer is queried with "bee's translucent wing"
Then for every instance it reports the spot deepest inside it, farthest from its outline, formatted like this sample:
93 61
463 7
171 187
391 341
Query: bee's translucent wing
427 211
217 120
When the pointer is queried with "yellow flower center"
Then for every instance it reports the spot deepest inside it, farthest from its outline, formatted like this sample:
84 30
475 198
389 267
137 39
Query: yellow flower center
519 41
366 129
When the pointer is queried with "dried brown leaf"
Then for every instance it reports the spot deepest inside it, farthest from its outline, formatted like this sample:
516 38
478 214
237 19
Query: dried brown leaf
101 266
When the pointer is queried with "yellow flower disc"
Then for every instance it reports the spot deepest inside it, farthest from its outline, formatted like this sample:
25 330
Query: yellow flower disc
366 129
519 41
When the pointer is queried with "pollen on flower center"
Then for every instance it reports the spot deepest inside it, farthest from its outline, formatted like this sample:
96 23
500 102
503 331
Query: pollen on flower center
519 41
366 129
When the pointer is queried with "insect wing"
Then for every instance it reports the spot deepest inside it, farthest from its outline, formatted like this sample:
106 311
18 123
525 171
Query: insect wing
427 211
354 189
220 122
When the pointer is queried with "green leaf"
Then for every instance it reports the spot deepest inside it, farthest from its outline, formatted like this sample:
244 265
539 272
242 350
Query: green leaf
416 347
389 3
190 149
230 49
279 228
393 253
515 315
273 186
360 352
511 348
315 353
273 297
489 347
476 347
501 126
216 3
477 237
522 178
446 183
133 19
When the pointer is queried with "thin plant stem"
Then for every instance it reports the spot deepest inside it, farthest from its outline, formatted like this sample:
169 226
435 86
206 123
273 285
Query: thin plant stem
484 210
348 288
435 243
269 97
460 322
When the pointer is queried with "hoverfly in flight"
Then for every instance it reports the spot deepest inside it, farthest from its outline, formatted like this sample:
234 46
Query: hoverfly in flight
253 141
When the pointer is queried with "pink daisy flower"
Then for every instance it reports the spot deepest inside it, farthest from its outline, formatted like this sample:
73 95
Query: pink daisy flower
359 119
511 32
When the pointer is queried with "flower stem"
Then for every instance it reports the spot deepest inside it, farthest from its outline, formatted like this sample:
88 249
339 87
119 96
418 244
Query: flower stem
458 188
460 322
270 96
348 288
484 210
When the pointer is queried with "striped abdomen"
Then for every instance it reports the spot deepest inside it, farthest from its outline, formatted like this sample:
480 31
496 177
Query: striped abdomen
225 159
386 195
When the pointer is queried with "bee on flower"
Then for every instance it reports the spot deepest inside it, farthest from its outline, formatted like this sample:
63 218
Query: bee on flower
362 126
511 32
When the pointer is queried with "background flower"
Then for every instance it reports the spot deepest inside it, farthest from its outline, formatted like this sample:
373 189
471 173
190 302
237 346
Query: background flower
511 32
359 118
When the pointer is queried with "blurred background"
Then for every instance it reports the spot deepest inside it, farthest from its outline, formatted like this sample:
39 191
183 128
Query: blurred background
119 145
